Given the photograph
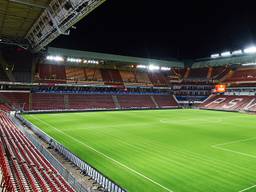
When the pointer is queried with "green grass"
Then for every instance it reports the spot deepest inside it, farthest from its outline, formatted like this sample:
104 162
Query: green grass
154 151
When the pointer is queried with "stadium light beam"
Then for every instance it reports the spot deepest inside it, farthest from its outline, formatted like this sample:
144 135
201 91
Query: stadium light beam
153 67
237 52
250 50
141 66
165 68
54 58
249 64
226 54
74 60
214 56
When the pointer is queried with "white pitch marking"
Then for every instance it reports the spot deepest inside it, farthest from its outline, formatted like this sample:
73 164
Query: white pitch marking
233 142
232 151
246 189
106 156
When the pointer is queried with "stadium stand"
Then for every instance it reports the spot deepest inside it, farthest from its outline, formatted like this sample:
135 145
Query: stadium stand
165 101
198 73
51 73
135 101
44 101
23 167
18 99
219 72
230 103
243 74
128 76
80 101
158 78
111 76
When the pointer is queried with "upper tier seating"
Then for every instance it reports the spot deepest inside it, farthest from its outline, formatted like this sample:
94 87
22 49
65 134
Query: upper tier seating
128 76
243 74
23 167
158 78
20 100
135 101
111 76
198 73
219 72
78 74
75 74
230 103
93 74
142 77
51 73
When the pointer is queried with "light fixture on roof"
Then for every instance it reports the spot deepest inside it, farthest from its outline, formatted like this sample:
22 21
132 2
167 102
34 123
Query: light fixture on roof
214 56
226 54
249 64
1 40
141 66
165 68
250 50
153 67
74 60
54 58
237 52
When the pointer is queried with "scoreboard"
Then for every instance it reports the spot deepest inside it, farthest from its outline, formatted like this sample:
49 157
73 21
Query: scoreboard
220 88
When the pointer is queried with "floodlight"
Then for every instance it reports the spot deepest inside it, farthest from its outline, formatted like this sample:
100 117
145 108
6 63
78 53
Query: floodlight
250 50
141 66
249 64
226 54
214 56
165 68
153 67
54 58
237 52
74 60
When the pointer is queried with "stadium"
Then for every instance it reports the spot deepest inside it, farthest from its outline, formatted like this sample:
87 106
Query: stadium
77 120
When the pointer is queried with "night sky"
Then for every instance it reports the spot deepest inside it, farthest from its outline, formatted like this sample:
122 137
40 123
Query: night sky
165 29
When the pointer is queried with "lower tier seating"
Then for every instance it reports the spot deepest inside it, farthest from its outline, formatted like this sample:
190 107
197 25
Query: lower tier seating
19 100
135 101
165 101
230 103
78 101
44 101
47 101
23 166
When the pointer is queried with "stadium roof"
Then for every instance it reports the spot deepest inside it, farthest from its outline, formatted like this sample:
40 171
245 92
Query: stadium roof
16 18
236 60
37 23
112 57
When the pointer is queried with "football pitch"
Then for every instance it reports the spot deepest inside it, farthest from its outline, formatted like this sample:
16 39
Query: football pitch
162 150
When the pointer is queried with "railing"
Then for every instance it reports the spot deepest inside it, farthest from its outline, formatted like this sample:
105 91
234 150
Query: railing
55 163
102 180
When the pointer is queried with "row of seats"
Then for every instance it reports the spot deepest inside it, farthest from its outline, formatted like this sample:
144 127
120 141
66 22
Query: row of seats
45 101
23 166
230 103
58 73
243 74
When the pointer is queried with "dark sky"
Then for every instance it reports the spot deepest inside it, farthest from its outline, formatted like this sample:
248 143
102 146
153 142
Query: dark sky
164 29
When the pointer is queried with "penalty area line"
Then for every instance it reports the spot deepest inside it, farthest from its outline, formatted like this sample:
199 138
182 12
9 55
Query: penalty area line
104 155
